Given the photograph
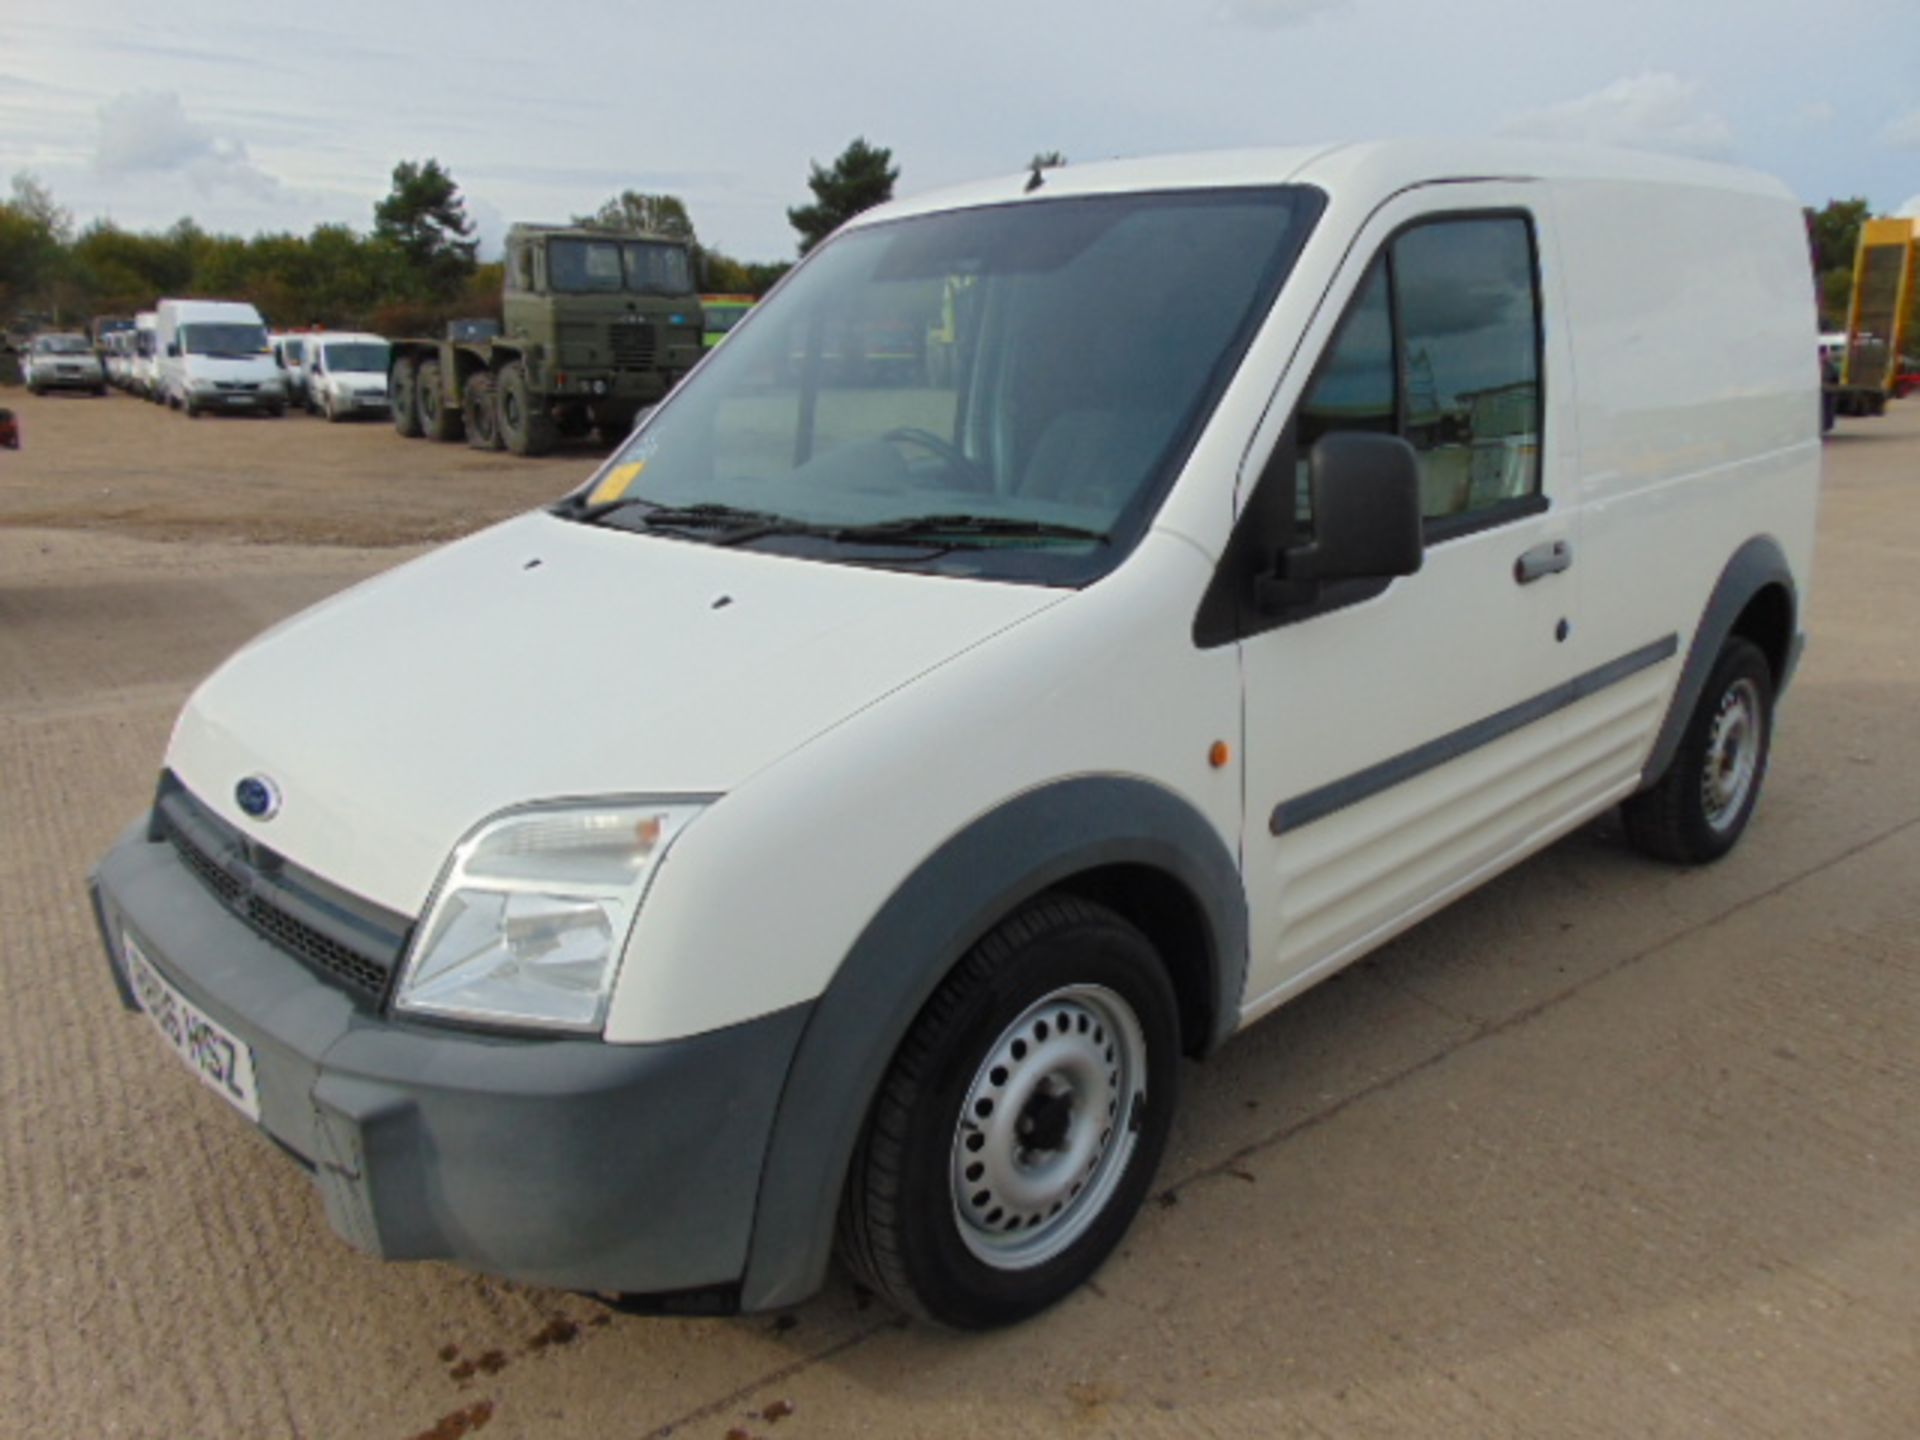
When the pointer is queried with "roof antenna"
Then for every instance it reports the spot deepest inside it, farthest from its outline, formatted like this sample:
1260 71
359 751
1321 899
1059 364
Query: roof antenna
1035 180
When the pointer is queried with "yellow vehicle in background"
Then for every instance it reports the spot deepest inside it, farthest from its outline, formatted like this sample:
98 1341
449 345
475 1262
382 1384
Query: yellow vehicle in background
722 313
1884 284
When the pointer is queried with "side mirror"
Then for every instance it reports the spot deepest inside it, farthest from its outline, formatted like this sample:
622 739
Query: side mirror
1366 518
173 349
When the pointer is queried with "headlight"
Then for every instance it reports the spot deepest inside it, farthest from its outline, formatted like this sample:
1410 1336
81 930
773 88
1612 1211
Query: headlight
530 918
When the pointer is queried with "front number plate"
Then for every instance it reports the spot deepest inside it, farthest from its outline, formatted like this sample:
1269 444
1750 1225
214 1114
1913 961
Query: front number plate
221 1059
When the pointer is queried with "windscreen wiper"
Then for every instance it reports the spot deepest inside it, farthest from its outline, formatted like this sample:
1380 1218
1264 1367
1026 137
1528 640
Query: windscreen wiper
654 514
947 527
943 531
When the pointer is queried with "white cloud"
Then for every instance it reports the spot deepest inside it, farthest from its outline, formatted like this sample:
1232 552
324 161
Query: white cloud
1816 113
1654 110
1274 14
147 132
1903 132
1911 208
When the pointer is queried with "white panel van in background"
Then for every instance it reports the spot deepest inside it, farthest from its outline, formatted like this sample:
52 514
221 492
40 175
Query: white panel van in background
346 374
1069 617
213 355
143 364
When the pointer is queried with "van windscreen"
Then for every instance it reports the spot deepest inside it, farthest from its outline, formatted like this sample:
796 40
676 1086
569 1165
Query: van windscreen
362 357
223 339
1005 391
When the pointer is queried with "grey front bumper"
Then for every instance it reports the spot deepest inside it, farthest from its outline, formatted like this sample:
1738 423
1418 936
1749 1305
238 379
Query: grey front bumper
574 1163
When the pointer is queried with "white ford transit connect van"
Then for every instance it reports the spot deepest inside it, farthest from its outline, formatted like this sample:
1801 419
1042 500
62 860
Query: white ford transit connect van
1071 616
346 374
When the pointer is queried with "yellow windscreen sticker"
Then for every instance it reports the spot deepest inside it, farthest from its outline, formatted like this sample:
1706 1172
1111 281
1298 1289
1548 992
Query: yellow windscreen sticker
614 483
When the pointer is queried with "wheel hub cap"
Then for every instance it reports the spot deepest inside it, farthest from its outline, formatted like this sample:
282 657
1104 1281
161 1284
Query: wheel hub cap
1733 754
1047 1126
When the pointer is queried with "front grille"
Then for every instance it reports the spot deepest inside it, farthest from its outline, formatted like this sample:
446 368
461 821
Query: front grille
633 345
339 936
367 976
230 891
238 387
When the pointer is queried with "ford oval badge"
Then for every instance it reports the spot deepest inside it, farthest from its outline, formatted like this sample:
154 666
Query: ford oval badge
258 796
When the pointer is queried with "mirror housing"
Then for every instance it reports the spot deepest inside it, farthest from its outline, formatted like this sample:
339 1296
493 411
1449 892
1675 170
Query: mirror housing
1366 518
173 349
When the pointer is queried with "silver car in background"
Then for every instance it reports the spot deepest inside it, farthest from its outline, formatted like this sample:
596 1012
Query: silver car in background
64 362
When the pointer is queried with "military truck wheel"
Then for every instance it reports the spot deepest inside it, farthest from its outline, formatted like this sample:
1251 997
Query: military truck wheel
438 420
482 413
406 413
525 425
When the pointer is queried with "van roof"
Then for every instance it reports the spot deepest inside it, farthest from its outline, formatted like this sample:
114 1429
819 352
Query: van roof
332 337
1377 167
192 310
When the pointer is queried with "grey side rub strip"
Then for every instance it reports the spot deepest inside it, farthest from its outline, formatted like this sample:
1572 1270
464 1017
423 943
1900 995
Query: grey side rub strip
1363 784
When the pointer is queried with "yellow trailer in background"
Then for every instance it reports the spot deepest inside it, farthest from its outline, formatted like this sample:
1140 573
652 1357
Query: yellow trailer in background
1884 283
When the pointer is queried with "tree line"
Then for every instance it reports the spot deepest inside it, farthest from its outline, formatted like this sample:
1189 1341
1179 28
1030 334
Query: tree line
414 269
417 266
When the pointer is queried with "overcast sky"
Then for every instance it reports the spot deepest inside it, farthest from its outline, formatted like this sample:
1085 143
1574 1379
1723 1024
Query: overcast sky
274 117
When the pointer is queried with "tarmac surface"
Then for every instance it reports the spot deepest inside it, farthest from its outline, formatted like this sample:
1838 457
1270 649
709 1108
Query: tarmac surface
1606 1148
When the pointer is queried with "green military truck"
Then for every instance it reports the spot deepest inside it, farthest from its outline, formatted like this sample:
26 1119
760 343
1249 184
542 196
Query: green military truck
595 325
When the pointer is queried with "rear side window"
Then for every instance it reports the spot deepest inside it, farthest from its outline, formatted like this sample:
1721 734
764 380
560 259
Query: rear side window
1441 346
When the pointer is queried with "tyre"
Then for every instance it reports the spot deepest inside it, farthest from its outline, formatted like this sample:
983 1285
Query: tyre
525 426
482 414
400 391
438 420
1698 810
1019 1125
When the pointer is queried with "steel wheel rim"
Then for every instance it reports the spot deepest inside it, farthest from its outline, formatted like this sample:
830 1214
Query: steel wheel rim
1047 1127
1733 754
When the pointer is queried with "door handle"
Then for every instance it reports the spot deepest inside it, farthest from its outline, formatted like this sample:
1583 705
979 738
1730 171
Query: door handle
1542 560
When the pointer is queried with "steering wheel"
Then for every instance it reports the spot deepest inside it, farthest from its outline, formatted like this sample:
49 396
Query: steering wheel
968 473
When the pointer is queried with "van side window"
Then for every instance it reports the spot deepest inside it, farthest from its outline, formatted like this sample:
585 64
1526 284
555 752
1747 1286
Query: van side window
1441 346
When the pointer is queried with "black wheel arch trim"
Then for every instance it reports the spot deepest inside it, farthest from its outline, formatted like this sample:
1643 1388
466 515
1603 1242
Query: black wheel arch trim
1755 566
1031 844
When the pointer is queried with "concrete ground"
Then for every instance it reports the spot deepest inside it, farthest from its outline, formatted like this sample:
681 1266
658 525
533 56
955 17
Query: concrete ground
1605 1149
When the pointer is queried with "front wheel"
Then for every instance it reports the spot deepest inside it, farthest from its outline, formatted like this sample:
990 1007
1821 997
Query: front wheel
1019 1126
1698 810
526 427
